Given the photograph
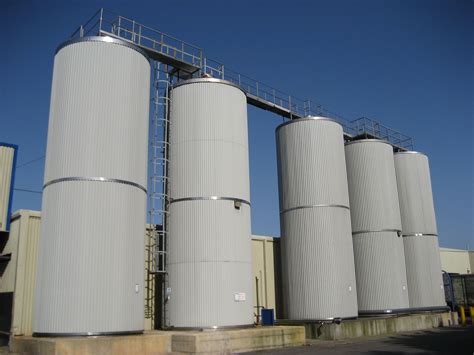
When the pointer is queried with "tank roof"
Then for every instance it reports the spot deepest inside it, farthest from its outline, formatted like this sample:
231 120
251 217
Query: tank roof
307 118
369 140
207 80
106 39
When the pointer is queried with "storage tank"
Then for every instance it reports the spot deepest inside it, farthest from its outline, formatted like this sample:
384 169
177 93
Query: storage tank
376 227
420 235
316 245
8 154
90 270
209 264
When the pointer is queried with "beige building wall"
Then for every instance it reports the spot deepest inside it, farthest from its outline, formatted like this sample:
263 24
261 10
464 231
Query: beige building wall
20 274
457 260
263 258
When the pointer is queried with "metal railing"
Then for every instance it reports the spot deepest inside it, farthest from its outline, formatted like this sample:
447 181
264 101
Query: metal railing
259 94
107 22
371 128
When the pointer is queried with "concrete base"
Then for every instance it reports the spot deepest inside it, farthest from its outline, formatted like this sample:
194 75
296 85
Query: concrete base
364 327
165 342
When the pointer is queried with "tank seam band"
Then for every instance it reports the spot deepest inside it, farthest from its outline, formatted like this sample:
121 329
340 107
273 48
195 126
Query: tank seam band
313 206
420 235
96 179
209 198
377 231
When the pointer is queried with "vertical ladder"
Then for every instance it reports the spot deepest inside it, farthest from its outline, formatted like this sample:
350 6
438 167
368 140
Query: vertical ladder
156 282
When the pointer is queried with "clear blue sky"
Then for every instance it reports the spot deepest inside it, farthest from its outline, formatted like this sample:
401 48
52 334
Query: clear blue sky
406 63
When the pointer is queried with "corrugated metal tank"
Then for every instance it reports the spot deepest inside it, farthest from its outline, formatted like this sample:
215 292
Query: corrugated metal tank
90 271
8 154
420 235
317 257
376 227
209 264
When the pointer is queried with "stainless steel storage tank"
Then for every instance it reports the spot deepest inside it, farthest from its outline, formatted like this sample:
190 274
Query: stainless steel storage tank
90 271
209 265
8 154
317 258
376 227
420 235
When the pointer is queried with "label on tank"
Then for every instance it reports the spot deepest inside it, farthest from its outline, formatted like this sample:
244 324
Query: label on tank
239 297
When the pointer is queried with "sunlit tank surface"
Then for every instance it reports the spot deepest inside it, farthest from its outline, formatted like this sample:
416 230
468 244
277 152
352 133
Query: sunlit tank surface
420 235
376 227
209 265
90 269
316 245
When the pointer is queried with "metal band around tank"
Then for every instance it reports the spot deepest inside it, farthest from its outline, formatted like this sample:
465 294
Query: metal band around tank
420 235
369 140
105 39
308 118
313 206
376 231
98 179
215 198
214 327
208 80
411 152
85 334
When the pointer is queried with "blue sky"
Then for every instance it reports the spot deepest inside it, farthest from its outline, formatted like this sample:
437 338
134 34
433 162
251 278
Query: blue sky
408 64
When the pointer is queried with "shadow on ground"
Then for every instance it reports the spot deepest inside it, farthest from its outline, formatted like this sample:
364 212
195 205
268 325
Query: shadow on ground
441 341
455 340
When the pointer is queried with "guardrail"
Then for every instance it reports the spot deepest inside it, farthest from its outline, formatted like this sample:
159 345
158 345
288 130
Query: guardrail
143 36
258 93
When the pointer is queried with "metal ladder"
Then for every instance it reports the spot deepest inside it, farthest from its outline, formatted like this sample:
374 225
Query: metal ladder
157 233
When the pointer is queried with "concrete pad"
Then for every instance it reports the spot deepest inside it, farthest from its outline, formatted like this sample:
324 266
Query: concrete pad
165 342
238 340
153 342
373 326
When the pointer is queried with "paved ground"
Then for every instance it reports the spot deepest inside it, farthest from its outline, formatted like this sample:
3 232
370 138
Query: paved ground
455 340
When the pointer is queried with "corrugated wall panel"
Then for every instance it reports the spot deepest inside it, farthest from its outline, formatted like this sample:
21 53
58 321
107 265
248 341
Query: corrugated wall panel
316 246
415 193
318 268
210 251
90 273
312 164
425 280
419 230
376 227
7 161
96 263
380 272
372 186
208 133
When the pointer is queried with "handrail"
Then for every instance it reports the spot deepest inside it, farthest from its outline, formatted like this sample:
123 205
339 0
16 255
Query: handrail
262 95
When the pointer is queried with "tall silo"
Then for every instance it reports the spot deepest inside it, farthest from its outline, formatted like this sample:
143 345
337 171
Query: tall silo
376 227
209 264
420 235
316 245
90 269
